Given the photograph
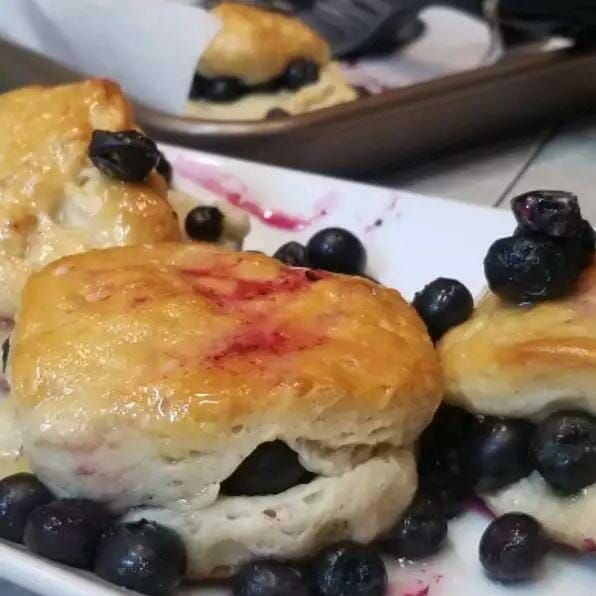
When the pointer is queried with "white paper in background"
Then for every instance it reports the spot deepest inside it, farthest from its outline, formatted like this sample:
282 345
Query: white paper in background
151 47
453 42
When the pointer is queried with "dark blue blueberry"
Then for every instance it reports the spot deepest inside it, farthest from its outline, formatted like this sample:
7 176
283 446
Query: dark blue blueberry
164 168
292 253
420 533
269 578
443 304
500 452
142 556
337 250
126 155
349 569
564 450
554 213
221 89
523 269
299 73
204 223
270 469
512 548
444 466
586 240
67 531
579 249
20 494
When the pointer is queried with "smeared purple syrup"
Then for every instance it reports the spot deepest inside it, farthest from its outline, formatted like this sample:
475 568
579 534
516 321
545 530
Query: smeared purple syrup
479 506
422 592
589 545
235 192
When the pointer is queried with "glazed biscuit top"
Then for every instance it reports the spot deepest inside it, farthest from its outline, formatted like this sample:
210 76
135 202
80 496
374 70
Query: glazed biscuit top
256 45
525 360
52 200
192 342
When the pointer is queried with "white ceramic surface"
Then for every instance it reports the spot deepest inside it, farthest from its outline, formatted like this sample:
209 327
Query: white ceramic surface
418 239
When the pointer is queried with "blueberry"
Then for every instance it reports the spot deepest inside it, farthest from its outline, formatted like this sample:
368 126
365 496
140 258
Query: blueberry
444 466
269 578
448 497
337 250
204 223
67 531
199 87
5 351
349 569
586 241
512 547
127 155
164 168
20 494
442 304
291 253
579 248
221 89
564 448
299 73
529 269
447 479
276 114
420 533
270 469
552 212
500 452
142 556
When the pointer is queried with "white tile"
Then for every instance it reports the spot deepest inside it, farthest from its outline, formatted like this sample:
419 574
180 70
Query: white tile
478 176
567 162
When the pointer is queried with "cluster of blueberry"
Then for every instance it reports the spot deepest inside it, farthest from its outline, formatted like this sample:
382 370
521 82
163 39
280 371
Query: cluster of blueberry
547 252
461 454
141 556
151 559
331 249
549 249
488 453
298 74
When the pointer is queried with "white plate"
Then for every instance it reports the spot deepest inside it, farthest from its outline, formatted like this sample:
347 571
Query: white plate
418 239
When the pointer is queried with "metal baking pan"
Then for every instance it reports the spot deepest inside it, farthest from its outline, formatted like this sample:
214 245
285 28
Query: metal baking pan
391 129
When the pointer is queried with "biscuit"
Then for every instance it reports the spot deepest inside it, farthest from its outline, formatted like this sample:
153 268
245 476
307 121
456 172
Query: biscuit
143 376
53 202
256 45
525 362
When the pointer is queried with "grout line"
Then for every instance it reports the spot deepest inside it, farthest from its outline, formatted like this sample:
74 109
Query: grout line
546 138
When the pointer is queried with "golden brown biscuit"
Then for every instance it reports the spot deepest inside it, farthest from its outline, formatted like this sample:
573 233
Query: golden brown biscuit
525 361
144 376
52 200
256 45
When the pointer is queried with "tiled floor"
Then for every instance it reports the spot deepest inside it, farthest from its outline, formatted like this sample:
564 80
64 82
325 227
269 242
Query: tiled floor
568 161
563 158
479 176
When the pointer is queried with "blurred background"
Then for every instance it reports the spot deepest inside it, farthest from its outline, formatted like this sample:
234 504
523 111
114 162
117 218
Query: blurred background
474 100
